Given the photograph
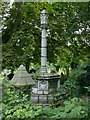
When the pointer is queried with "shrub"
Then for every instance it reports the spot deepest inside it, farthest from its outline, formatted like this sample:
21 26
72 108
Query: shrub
78 82
84 79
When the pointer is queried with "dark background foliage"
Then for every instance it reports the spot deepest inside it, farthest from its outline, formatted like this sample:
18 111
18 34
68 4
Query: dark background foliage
67 33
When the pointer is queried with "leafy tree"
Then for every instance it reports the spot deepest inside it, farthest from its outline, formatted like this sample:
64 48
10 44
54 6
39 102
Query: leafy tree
67 34
84 79
77 84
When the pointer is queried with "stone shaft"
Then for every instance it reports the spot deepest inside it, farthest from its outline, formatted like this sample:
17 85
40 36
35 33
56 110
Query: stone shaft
43 49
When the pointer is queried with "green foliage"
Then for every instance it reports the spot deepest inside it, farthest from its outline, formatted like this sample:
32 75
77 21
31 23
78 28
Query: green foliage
68 46
16 105
73 108
84 79
70 86
77 83
22 35
12 99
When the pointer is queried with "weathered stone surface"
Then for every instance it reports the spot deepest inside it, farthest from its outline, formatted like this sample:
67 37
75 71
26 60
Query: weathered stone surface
47 82
46 92
34 90
22 78
40 92
41 98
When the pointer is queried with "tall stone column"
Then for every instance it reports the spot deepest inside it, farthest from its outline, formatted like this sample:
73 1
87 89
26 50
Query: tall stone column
43 42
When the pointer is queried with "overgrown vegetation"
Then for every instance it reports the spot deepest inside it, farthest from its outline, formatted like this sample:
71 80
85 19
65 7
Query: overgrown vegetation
68 45
78 82
16 105
67 102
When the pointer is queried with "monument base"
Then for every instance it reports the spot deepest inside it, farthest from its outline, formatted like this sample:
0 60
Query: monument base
42 99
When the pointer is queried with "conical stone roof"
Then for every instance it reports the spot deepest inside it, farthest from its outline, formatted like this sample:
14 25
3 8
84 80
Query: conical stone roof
22 78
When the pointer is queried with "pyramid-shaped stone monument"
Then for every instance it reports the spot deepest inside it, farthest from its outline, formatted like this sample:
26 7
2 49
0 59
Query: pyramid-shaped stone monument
22 78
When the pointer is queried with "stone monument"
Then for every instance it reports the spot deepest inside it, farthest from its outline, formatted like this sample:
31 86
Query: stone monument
22 80
47 82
